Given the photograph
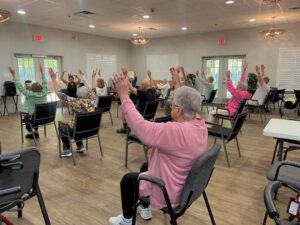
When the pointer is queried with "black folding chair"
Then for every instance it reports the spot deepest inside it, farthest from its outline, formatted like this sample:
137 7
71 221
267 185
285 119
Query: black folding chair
44 114
260 108
209 101
149 113
228 117
228 134
270 191
19 181
86 126
297 95
195 185
277 98
104 104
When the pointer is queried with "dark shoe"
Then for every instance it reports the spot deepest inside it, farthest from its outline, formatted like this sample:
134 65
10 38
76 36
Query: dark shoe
29 136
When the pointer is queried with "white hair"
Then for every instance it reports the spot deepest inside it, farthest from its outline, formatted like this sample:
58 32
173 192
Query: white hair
189 100
83 92
242 85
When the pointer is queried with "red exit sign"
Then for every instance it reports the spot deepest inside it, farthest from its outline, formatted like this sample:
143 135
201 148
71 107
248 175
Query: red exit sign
221 41
37 37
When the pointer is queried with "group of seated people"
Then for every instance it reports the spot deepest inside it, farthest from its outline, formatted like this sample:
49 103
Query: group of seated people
175 145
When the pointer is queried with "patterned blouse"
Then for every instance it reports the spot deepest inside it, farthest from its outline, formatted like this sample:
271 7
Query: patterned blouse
79 105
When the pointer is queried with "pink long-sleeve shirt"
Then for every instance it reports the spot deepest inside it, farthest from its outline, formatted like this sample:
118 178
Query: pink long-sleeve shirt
238 96
175 146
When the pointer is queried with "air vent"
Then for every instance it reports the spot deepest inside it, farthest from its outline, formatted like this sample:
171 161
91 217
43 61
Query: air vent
151 28
268 2
84 13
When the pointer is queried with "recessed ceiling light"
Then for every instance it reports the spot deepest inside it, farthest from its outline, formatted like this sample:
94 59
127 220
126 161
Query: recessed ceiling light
183 28
134 35
146 16
21 12
92 26
229 2
252 20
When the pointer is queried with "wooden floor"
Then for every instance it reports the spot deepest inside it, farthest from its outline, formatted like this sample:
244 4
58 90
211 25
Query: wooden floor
89 193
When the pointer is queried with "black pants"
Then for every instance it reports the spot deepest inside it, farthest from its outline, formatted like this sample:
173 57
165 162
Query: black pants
128 184
63 133
28 120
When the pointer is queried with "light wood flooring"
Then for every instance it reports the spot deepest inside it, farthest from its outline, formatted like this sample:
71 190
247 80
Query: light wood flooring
89 193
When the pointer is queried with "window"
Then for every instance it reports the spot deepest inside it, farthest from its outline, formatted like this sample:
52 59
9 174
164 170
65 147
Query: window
213 69
26 69
50 63
235 66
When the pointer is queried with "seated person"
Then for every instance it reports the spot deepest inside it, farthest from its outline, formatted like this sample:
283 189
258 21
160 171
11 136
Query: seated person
263 87
99 85
36 95
28 84
71 84
145 92
83 104
133 80
204 85
239 94
175 146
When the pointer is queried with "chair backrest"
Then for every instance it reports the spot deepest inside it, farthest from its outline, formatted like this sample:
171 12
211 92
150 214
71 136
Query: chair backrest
87 124
278 95
44 113
198 177
25 177
212 95
237 125
297 95
150 110
168 94
163 119
240 109
104 103
133 98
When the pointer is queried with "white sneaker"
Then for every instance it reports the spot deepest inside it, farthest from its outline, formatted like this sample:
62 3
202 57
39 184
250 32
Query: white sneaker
66 153
119 220
145 213
80 149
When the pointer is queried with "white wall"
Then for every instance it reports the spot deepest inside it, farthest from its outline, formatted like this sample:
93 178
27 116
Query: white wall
191 48
18 38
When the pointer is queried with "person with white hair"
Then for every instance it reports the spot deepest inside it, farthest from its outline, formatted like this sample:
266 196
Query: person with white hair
82 104
263 89
164 86
204 85
239 94
175 146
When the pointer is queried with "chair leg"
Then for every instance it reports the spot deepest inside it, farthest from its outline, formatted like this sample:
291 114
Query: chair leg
226 154
33 135
45 130
265 218
99 142
42 206
73 156
208 208
20 214
22 133
126 153
238 147
260 114
207 108
86 144
215 141
145 147
111 118
117 110
275 150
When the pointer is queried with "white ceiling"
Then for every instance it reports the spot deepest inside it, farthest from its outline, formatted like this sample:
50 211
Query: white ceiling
121 18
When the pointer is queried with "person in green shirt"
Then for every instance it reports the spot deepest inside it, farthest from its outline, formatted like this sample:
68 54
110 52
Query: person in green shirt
36 95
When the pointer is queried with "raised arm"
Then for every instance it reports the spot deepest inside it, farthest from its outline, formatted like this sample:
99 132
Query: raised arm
150 78
175 78
78 79
62 78
44 81
94 81
243 75
84 80
19 86
56 87
186 82
230 86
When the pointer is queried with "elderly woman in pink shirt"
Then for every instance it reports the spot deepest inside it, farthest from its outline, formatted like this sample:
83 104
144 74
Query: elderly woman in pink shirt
175 146
239 94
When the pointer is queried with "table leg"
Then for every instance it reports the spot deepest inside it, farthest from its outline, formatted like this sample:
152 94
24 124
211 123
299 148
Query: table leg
280 150
16 102
275 150
5 108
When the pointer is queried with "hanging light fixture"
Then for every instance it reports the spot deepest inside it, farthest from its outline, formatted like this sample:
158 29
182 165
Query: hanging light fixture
139 39
272 32
4 15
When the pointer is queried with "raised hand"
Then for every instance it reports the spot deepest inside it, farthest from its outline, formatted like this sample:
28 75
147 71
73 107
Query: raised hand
52 74
245 65
94 73
175 77
81 73
125 71
257 69
12 71
99 72
262 67
149 73
120 82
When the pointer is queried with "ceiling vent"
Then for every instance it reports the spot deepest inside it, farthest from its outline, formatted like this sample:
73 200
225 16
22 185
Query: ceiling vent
84 13
294 8
269 2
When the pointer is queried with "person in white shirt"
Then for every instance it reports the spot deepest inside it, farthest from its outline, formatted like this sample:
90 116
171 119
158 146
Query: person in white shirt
99 85
204 85
262 91
163 87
